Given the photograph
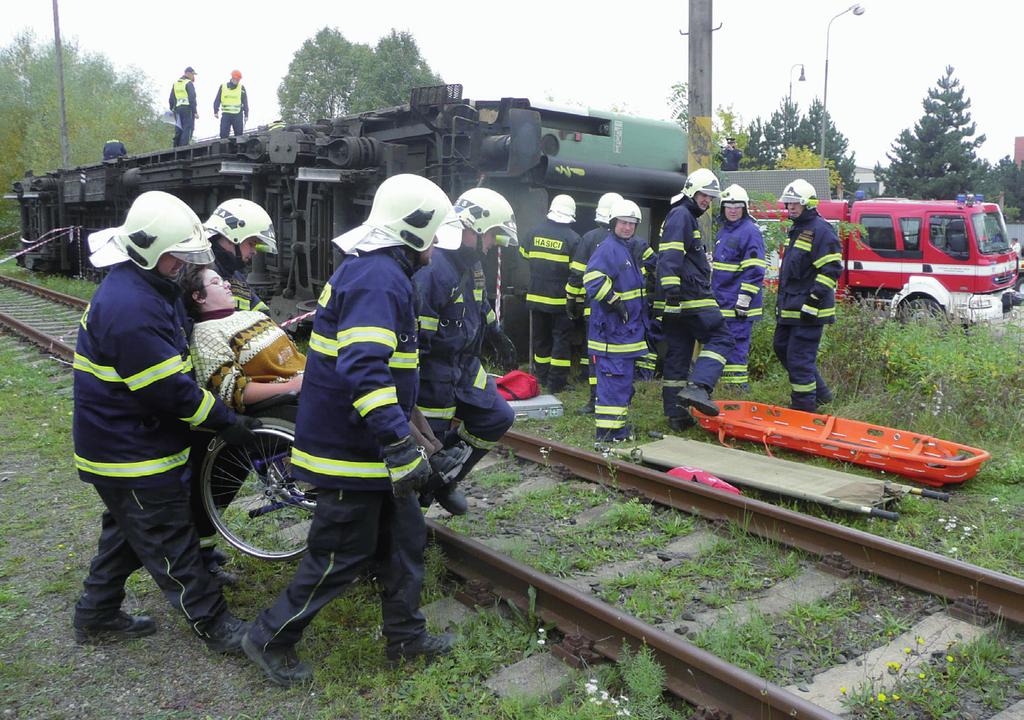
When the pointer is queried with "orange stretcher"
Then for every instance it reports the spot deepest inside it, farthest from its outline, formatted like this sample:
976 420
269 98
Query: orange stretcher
922 458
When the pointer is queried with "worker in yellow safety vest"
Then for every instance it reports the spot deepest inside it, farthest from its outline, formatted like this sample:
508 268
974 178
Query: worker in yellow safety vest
233 102
182 101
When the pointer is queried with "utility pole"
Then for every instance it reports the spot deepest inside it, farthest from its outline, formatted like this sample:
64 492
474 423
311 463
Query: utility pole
65 146
699 79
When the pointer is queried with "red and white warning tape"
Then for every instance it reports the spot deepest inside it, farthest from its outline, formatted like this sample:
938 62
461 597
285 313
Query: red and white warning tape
43 239
298 318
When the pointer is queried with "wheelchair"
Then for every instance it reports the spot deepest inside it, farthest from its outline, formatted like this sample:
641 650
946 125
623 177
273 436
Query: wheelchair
249 493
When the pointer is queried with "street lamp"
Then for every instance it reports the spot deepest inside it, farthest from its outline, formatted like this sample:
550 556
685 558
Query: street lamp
856 10
802 78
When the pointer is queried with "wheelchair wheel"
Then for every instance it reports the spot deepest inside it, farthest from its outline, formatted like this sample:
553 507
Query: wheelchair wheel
252 498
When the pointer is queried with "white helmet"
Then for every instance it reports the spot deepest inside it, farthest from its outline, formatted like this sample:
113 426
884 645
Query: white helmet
626 210
482 210
562 210
800 191
239 219
735 194
410 208
159 223
604 207
702 180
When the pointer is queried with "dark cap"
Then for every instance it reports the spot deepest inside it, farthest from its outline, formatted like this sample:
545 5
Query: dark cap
190 69
732 140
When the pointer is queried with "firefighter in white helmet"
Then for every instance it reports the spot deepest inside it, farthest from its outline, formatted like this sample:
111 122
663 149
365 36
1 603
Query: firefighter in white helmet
575 295
353 439
811 266
135 400
737 277
549 251
690 313
238 229
455 317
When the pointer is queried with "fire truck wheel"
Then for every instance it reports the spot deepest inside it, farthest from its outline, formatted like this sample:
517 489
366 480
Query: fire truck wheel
919 309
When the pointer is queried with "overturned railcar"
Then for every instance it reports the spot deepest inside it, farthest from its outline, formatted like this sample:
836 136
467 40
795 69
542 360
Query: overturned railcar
318 180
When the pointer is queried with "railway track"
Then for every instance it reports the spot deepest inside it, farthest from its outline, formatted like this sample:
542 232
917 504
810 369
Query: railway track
590 625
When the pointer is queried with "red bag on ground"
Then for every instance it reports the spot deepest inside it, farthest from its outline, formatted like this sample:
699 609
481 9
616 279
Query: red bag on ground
518 385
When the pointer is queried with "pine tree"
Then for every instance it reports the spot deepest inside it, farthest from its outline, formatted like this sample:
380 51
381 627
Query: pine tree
937 159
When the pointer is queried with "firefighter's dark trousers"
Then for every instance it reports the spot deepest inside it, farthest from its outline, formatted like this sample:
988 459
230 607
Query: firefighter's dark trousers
614 393
681 332
231 121
736 372
185 123
796 346
352 530
552 347
151 528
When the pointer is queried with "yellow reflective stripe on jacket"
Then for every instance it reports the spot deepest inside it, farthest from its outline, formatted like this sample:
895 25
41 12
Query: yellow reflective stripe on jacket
330 466
132 469
825 259
231 99
631 294
805 387
670 281
323 345
428 323
790 314
826 312
84 322
802 245
102 372
809 310
826 281
475 441
703 302
727 267
374 399
578 266
203 411
544 300
712 355
404 360
367 333
325 296
552 257
571 289
480 381
261 307
672 246
150 375
445 413
597 346
753 262
749 288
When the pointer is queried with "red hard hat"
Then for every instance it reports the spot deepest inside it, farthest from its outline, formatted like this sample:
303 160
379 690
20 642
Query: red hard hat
236 74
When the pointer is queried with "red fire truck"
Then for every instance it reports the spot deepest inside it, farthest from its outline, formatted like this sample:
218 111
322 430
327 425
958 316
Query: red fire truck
926 257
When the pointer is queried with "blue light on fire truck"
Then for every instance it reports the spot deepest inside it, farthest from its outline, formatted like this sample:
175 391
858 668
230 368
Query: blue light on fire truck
961 199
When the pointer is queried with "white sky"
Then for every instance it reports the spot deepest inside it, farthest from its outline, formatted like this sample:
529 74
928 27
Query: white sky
881 63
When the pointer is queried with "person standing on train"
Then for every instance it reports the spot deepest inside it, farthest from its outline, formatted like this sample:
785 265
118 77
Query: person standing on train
353 440
811 266
575 295
182 101
135 401
549 250
454 319
233 101
618 323
238 229
690 312
737 276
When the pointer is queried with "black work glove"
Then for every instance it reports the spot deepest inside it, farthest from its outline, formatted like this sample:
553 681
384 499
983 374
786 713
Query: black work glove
742 305
572 309
810 304
447 463
619 308
241 433
407 465
504 349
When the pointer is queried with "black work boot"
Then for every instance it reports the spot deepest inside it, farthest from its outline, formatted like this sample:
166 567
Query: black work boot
681 423
699 397
121 626
215 554
823 398
588 409
281 665
221 576
226 635
426 645
452 499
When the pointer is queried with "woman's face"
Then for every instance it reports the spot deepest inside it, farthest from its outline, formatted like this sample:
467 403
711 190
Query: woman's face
218 293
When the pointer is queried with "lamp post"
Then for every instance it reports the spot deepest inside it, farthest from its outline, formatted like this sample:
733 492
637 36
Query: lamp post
856 9
802 78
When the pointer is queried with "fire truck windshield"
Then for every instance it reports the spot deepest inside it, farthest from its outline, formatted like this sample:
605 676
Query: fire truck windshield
991 233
